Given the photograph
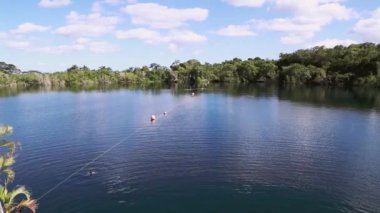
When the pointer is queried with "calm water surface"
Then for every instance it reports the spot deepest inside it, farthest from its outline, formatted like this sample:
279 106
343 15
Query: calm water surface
232 149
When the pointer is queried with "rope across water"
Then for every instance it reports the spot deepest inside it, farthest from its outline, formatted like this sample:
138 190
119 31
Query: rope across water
162 114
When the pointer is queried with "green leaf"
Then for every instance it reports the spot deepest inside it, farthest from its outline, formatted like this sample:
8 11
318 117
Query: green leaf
10 175
9 144
5 129
9 161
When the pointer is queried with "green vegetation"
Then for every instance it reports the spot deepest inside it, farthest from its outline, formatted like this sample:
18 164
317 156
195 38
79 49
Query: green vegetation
11 199
356 65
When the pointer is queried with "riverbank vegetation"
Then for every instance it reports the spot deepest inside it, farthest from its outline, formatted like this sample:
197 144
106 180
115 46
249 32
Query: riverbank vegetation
19 198
355 65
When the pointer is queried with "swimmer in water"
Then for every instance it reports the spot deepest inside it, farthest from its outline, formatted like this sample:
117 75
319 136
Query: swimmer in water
91 172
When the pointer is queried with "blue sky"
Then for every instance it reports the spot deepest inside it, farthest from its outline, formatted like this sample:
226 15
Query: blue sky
51 35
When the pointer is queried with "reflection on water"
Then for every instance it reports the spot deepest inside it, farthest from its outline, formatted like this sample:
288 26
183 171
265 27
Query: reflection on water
359 98
334 97
230 148
12 91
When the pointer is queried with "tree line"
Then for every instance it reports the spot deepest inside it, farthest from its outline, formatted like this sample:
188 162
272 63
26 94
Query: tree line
355 65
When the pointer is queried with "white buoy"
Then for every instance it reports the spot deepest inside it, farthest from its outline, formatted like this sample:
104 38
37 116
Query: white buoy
152 118
193 94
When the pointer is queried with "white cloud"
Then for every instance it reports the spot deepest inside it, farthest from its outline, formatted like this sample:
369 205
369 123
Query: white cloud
114 2
149 36
369 28
59 48
173 47
287 25
246 3
54 3
236 31
317 10
102 47
30 28
162 17
185 36
173 39
309 17
3 35
17 44
296 38
296 31
80 44
293 3
92 25
329 43
13 41
96 7
330 1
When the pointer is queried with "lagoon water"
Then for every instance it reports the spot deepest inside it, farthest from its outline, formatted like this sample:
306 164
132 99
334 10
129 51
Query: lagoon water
227 149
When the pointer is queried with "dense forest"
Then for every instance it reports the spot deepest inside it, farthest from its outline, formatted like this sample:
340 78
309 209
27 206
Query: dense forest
355 65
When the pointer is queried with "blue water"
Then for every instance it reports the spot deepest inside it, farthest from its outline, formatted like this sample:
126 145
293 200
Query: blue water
223 150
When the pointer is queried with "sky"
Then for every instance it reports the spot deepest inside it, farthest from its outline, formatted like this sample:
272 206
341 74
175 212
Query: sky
52 35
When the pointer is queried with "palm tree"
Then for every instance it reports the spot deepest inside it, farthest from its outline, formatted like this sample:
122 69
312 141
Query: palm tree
8 201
